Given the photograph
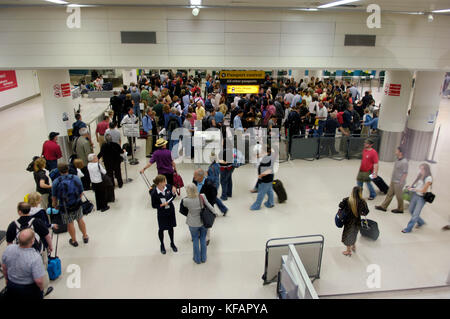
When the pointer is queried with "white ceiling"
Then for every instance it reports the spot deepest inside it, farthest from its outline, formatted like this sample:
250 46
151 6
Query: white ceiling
386 5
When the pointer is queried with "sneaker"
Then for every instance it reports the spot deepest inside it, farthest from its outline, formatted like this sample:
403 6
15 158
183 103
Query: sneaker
225 212
371 198
396 211
48 292
174 248
380 208
163 250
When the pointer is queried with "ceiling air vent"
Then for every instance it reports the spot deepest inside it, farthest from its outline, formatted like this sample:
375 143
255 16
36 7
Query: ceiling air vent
360 40
138 37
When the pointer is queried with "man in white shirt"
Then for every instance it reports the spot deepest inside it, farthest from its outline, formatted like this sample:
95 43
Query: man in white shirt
289 97
130 118
321 115
355 93
297 98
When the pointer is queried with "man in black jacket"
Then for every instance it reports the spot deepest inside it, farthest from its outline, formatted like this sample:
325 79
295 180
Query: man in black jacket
117 106
293 124
205 186
112 157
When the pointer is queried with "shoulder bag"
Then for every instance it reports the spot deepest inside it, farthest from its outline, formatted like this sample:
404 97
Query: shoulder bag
206 215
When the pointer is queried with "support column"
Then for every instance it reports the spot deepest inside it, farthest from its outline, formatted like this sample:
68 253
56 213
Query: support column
424 112
394 106
58 106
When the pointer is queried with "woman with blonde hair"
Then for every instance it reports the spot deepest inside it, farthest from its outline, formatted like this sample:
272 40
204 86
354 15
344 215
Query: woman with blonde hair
353 207
42 181
191 207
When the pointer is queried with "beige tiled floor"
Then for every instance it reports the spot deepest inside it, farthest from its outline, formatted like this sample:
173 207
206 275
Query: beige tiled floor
122 259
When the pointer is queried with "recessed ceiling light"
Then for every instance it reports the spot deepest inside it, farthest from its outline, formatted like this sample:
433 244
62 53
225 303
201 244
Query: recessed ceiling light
309 9
57 1
195 11
336 3
441 11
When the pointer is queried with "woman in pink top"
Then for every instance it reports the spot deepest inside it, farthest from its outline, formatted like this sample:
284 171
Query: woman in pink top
194 115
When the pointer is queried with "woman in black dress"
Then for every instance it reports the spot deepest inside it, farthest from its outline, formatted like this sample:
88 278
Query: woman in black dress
162 200
353 207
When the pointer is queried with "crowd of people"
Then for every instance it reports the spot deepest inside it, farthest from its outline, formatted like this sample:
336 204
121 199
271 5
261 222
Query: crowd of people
306 109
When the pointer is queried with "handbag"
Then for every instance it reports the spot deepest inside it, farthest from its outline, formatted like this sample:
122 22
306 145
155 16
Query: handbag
369 228
177 182
87 206
429 197
340 217
206 215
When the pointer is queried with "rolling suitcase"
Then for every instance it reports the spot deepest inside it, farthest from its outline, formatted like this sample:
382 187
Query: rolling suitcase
381 184
369 228
279 190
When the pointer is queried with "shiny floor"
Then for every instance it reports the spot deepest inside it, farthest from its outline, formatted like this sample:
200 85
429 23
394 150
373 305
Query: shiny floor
122 259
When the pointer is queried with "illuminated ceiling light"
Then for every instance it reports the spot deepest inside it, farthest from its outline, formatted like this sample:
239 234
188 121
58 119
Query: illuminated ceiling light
80 5
441 11
195 11
196 3
57 1
430 18
336 3
309 9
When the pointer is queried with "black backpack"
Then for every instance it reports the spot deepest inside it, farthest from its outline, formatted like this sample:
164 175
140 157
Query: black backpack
173 124
206 123
37 242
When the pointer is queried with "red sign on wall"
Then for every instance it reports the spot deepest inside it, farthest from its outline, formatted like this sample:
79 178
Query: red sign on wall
8 80
62 90
392 89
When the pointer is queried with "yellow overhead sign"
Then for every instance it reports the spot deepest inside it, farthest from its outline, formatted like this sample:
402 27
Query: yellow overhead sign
242 89
242 75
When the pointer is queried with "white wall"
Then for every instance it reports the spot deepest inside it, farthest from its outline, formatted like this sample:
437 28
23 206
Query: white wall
231 38
27 86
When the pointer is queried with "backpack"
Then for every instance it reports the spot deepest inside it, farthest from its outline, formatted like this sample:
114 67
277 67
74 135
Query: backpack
37 242
54 174
206 123
67 193
172 125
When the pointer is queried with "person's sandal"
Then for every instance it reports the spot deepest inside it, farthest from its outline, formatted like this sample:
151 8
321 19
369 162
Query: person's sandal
347 253
73 243
86 240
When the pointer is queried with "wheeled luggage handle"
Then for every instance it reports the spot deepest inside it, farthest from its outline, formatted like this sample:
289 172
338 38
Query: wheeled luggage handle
144 177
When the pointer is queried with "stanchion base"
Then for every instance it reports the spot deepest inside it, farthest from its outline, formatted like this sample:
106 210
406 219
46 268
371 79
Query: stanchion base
128 180
133 161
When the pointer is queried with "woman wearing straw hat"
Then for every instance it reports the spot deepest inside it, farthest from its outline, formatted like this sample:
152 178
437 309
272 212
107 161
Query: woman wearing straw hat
164 162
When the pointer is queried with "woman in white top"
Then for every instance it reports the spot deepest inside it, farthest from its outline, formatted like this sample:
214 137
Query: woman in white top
95 173
419 188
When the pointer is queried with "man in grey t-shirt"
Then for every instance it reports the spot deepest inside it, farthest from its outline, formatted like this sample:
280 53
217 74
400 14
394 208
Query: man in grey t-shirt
23 268
399 175
114 132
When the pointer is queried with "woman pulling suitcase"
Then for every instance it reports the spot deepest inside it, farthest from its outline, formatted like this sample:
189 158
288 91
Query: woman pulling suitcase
162 200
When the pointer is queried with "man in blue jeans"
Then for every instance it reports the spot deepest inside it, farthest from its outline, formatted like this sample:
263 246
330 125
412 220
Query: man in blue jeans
214 176
369 165
265 182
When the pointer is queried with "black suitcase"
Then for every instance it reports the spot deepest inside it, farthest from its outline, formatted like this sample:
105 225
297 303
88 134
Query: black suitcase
381 184
279 190
369 228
